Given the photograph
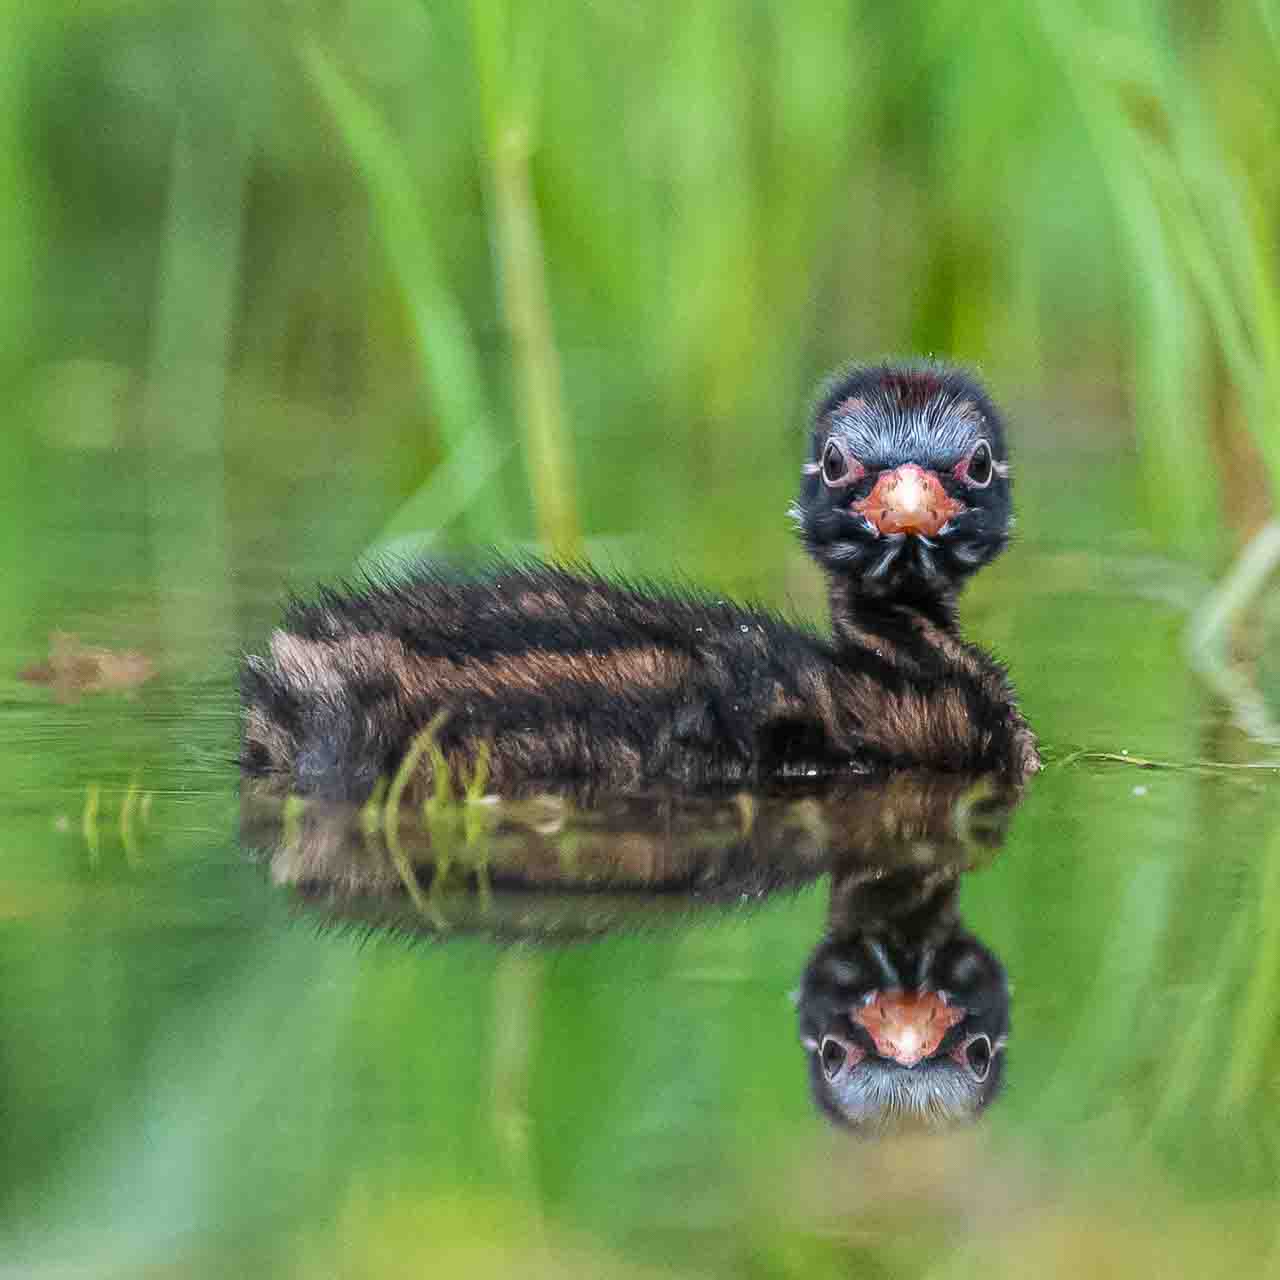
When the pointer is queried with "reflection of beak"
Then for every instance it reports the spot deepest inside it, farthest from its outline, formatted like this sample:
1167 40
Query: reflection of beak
908 499
908 1028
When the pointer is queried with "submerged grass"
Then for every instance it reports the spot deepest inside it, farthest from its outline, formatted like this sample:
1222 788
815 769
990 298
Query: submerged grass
1083 756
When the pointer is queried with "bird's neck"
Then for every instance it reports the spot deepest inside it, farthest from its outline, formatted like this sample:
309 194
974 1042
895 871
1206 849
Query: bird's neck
854 610
893 905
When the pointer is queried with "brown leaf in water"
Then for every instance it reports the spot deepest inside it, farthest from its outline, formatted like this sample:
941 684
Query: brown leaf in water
74 669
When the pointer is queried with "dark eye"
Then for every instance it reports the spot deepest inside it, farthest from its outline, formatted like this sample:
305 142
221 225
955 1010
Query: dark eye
833 1057
981 466
977 1057
838 468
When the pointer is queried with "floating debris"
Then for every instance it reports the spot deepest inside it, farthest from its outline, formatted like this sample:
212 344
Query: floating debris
74 669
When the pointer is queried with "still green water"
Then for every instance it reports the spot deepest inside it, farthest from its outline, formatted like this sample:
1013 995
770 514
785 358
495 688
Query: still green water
205 1076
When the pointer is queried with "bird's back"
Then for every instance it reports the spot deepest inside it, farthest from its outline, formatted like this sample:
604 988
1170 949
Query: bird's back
562 672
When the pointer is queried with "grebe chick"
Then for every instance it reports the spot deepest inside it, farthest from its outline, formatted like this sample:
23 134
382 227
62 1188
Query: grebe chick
549 672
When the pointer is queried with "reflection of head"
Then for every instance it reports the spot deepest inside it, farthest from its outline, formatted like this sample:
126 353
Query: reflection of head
905 1040
903 1012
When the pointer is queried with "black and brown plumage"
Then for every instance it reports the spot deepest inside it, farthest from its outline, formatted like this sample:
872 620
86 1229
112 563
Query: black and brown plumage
550 672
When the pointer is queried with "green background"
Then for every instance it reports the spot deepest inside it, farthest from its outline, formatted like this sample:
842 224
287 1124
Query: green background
290 285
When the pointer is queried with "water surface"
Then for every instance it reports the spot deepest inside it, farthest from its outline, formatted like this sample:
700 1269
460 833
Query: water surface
208 1072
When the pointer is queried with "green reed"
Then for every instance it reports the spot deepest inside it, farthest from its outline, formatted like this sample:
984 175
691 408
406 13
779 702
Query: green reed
607 251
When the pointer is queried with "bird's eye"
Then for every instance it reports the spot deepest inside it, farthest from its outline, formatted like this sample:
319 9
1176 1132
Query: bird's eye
977 1057
838 468
980 466
833 1057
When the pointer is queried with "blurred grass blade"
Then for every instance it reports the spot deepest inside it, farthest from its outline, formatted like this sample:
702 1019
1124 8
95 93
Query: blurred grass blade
449 361
18 211
1209 630
445 496
1256 1015
19 218
186 383
507 111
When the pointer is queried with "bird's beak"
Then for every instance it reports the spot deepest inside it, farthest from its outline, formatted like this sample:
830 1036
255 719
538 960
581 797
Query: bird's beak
908 1027
908 499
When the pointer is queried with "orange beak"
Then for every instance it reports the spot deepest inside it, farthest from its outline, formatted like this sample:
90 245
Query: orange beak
908 499
908 1028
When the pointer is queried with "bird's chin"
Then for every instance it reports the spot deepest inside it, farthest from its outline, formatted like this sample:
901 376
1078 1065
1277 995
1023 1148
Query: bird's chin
883 1098
898 565
903 565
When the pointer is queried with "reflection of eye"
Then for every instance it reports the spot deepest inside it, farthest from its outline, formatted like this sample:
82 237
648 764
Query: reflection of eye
981 466
832 1054
838 468
977 1057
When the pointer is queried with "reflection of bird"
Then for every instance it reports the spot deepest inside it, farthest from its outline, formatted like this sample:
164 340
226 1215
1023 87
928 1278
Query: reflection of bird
548 672
905 1014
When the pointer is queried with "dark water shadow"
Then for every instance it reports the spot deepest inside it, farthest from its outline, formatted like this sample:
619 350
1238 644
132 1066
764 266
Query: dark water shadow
903 1013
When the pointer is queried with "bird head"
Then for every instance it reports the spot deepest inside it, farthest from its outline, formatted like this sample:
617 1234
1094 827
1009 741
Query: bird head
906 485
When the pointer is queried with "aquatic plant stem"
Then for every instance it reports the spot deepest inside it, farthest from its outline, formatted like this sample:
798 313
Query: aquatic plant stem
1145 762
1256 1012
127 837
1208 631
89 822
526 303
420 746
518 986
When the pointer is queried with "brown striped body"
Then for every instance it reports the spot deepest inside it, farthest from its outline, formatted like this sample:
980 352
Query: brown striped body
636 687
